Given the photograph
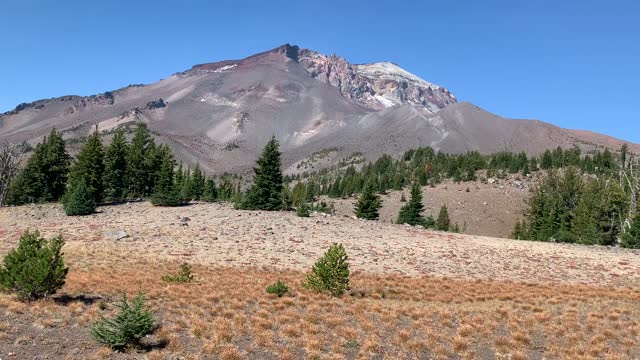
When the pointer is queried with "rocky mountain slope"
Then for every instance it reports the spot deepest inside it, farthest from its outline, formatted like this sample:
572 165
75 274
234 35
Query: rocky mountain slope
322 109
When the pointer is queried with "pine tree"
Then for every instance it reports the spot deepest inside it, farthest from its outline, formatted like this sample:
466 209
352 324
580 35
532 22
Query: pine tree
631 238
210 193
411 213
266 192
44 178
139 158
197 183
89 168
79 200
115 168
186 186
443 223
368 204
35 269
165 193
547 160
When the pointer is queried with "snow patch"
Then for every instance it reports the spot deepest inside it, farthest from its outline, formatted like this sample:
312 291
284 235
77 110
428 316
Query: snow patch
217 100
391 71
385 101
225 68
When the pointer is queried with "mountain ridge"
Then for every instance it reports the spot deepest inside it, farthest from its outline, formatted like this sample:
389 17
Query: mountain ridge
221 113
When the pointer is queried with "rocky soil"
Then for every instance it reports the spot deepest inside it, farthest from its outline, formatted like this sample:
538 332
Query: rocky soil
218 235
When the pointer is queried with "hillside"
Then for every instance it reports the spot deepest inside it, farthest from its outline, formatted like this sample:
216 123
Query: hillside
414 293
222 113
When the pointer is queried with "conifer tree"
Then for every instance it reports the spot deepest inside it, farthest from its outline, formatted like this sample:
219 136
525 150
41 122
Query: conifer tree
165 193
368 204
139 162
115 168
179 177
89 168
631 238
79 199
266 192
411 212
186 186
44 177
197 183
210 193
443 223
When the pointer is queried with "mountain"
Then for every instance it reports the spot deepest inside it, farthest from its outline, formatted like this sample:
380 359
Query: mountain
322 108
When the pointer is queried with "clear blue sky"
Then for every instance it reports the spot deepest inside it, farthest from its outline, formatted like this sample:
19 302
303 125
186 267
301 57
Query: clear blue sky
572 63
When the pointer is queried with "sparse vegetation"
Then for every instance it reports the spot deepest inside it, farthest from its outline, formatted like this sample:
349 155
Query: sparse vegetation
132 323
303 210
278 288
35 269
330 274
182 276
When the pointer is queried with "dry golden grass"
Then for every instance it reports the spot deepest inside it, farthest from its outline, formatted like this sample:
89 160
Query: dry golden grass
225 313
537 307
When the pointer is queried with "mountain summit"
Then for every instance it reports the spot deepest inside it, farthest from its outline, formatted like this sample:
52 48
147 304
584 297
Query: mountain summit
322 108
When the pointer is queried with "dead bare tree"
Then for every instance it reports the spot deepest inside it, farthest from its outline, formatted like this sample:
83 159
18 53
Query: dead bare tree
10 155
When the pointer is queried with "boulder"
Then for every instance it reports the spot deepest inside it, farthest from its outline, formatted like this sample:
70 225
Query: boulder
116 235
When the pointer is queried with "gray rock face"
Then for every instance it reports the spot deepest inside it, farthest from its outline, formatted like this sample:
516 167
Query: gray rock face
116 235
376 86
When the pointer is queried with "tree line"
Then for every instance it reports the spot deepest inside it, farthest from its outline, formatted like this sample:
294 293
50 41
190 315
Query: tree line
569 207
124 169
427 167
565 207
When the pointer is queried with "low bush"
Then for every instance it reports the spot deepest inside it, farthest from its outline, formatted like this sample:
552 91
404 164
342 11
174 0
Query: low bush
183 275
35 269
278 288
303 210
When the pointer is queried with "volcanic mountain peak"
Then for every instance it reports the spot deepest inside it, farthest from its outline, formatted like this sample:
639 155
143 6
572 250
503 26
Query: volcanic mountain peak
221 114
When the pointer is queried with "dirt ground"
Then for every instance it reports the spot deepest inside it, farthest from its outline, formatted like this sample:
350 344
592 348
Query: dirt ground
218 235
487 209
415 293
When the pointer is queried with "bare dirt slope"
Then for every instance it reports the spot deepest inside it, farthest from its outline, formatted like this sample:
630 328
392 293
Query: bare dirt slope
487 209
218 235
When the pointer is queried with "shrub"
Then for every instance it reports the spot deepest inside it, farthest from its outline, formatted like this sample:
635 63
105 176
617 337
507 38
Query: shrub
133 322
278 288
303 210
183 275
79 200
330 274
35 269
323 207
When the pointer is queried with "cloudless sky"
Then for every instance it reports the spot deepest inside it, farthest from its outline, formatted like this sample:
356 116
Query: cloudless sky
574 63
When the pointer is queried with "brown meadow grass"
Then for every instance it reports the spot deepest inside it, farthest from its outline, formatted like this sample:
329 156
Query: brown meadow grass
225 313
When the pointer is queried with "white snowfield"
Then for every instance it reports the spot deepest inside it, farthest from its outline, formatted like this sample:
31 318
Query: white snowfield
391 71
